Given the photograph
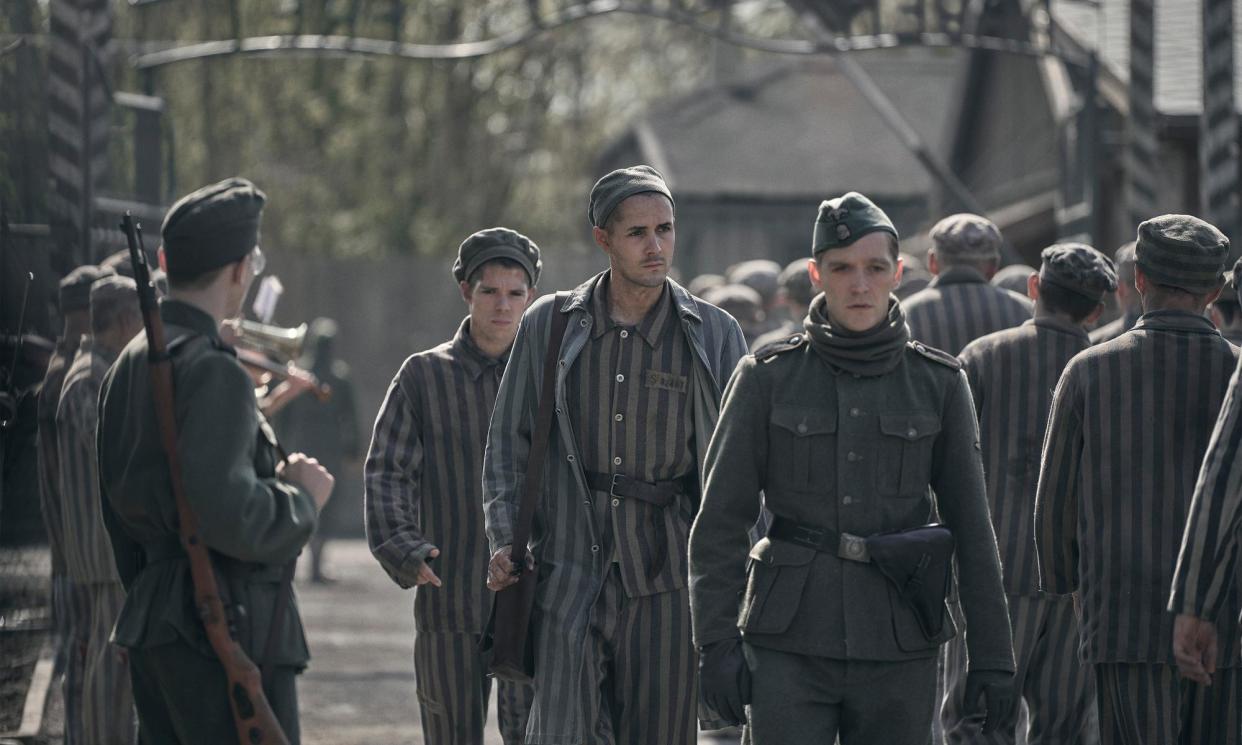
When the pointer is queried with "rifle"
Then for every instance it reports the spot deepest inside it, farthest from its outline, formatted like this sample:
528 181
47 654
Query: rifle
256 723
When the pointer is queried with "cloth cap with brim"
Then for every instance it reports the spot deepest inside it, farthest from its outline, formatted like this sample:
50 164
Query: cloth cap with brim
75 288
795 280
611 190
1078 268
966 237
1182 251
844 220
212 227
497 243
109 294
760 275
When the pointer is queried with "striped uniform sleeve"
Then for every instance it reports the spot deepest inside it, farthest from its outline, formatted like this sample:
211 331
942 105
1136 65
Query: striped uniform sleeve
75 430
1057 495
1206 565
392 482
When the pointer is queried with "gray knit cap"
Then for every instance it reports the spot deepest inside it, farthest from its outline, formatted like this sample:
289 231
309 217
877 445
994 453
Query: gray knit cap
1182 251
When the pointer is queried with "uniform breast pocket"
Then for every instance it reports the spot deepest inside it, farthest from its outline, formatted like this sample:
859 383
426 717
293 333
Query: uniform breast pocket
802 448
778 574
906 444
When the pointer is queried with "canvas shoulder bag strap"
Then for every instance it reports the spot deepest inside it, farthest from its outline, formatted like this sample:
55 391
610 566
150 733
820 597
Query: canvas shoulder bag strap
543 430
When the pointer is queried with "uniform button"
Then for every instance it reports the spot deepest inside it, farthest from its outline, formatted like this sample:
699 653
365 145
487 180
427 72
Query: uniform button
583 323
562 363
911 432
847 500
595 549
559 410
616 461
624 334
619 417
802 428
853 457
569 458
620 378
616 503
587 502
854 411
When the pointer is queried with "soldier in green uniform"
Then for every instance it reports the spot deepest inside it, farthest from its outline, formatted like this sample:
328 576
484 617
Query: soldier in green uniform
254 513
846 429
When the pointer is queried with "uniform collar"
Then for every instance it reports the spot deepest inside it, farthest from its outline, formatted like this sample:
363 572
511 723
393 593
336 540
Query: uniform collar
1053 323
179 313
958 275
580 298
1175 320
651 328
468 353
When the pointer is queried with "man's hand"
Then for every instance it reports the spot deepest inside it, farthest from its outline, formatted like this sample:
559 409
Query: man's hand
425 575
305 472
1194 648
500 570
995 688
724 679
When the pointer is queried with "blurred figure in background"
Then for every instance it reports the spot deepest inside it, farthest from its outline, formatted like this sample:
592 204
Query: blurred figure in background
744 304
327 431
762 276
794 297
914 276
1129 303
1226 312
1014 278
700 285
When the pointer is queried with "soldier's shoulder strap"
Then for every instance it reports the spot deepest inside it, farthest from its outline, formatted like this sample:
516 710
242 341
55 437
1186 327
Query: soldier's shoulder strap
788 344
935 355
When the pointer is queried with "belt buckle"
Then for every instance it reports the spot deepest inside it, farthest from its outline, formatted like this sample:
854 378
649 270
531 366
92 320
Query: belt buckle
612 489
853 547
807 536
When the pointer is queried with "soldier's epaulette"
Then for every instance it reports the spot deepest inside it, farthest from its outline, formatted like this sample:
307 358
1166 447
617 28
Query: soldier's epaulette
935 355
772 349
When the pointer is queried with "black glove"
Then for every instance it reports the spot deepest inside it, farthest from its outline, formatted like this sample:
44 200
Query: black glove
996 688
724 679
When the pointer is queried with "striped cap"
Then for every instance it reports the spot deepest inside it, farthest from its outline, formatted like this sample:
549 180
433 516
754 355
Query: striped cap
1182 251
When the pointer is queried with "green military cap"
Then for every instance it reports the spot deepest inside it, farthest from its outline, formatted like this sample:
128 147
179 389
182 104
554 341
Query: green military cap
497 243
1182 251
968 237
112 293
75 287
1078 268
847 218
760 275
795 280
620 185
212 227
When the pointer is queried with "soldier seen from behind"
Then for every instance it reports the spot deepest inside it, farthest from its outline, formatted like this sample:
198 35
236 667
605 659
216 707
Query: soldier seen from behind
854 434
1130 424
424 484
1012 374
254 511
959 305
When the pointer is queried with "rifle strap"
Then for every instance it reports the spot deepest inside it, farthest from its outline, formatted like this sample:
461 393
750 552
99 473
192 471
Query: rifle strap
543 429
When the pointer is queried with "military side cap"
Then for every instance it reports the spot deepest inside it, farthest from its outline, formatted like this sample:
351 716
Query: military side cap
1078 268
497 243
847 218
620 185
795 280
760 275
1182 251
109 294
75 288
966 236
212 227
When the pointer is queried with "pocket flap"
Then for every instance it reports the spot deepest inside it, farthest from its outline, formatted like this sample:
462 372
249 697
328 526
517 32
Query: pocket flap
781 553
804 422
909 426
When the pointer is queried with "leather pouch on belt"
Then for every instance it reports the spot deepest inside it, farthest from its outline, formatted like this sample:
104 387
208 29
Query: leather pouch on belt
918 562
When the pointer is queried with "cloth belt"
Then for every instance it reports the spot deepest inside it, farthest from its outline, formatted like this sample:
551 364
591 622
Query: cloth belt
844 545
660 493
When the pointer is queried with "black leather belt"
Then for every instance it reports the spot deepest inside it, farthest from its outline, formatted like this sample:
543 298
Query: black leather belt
659 493
829 541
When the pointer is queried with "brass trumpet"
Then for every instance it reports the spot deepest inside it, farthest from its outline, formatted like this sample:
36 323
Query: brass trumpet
278 341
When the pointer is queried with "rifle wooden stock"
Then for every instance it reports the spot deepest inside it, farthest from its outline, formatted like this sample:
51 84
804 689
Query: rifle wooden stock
253 715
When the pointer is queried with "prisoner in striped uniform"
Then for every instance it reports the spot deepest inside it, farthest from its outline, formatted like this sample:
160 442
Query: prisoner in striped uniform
1130 423
960 305
424 505
1128 301
69 606
107 699
1226 310
1012 375
638 384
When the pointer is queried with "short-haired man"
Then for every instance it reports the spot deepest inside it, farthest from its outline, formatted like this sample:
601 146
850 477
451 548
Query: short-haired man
960 305
424 501
1130 423
1012 374
794 297
69 603
254 512
639 376
1129 303
107 701
846 430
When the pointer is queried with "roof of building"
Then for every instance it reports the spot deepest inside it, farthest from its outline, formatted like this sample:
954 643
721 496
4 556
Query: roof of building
801 129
